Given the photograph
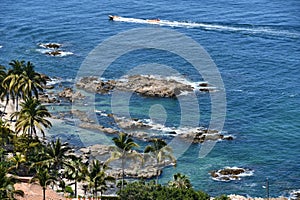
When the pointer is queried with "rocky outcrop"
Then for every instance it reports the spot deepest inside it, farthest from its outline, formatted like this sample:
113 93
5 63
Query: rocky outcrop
95 85
199 135
153 87
144 85
45 77
128 124
53 49
206 87
230 173
54 53
138 129
70 95
45 98
51 45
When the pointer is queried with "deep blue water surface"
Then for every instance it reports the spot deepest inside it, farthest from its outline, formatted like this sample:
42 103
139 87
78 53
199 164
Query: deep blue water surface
254 43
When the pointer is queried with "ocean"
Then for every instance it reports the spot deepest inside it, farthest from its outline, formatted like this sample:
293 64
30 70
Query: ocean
255 46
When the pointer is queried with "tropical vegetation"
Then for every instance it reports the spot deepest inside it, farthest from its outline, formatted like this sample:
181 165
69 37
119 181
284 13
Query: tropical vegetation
124 150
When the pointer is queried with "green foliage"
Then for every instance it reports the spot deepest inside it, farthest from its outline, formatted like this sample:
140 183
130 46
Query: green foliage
32 117
160 151
124 145
180 181
26 151
97 178
152 191
7 189
69 190
43 178
110 198
20 81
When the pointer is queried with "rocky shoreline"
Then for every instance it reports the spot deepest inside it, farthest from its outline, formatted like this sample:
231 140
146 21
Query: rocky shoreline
140 84
136 128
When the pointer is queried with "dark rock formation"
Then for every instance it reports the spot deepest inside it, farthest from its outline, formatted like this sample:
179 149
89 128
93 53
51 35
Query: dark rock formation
199 135
51 45
44 98
94 85
230 173
130 123
45 77
54 53
70 95
143 85
153 87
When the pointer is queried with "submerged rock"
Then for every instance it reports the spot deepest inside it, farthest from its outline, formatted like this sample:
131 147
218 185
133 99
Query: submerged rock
98 127
82 115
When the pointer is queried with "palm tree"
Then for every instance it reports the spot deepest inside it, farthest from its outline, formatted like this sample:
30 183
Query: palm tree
43 178
160 152
31 117
97 178
22 81
75 170
6 134
12 80
7 189
31 82
180 181
58 153
32 148
3 89
6 139
124 145
17 160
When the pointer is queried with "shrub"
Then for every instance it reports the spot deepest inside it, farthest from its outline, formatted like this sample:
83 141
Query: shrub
150 191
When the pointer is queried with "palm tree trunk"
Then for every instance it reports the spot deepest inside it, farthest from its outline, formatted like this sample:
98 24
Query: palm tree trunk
5 106
123 173
157 171
96 188
17 104
76 189
44 193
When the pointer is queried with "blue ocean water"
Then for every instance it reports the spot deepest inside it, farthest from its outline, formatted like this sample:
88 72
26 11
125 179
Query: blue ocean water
255 45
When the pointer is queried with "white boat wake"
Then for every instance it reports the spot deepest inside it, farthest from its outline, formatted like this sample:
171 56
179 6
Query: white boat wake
247 29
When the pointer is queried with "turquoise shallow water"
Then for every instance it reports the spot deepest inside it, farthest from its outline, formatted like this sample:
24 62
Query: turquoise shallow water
255 45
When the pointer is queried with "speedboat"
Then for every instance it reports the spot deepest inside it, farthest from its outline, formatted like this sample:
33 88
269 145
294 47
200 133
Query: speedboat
113 17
